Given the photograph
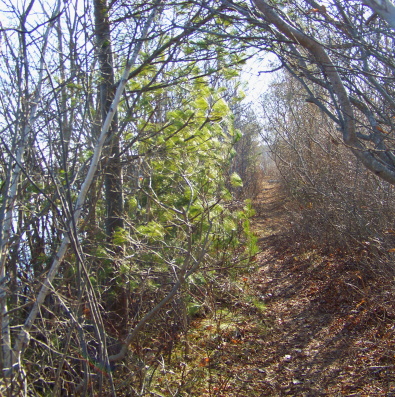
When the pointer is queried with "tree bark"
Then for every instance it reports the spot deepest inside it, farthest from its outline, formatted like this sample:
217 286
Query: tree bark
113 168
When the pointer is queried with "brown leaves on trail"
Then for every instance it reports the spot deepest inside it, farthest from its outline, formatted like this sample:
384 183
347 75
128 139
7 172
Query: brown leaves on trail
329 323
333 329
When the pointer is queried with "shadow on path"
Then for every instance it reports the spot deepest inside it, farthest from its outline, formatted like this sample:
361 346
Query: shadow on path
329 321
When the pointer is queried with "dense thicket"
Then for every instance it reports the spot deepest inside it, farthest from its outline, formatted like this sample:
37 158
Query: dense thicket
116 183
120 154
333 201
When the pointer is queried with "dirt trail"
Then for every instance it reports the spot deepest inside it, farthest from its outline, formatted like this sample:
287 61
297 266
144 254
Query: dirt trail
328 327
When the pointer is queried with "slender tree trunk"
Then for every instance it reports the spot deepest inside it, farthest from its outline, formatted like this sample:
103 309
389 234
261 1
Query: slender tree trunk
113 168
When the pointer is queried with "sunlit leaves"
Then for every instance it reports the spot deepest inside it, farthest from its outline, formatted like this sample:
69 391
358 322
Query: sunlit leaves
235 180
120 237
201 103
152 230
186 151
220 109
237 136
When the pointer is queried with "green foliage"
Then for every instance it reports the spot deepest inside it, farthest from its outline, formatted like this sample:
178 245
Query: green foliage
132 203
251 240
235 180
120 237
152 230
258 304
193 307
248 209
181 206
237 136
166 159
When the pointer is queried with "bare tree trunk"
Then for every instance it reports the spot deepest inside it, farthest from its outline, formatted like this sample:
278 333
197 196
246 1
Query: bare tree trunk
113 169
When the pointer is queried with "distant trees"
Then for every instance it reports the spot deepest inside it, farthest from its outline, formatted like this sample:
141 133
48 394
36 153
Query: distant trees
339 55
248 160
333 200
